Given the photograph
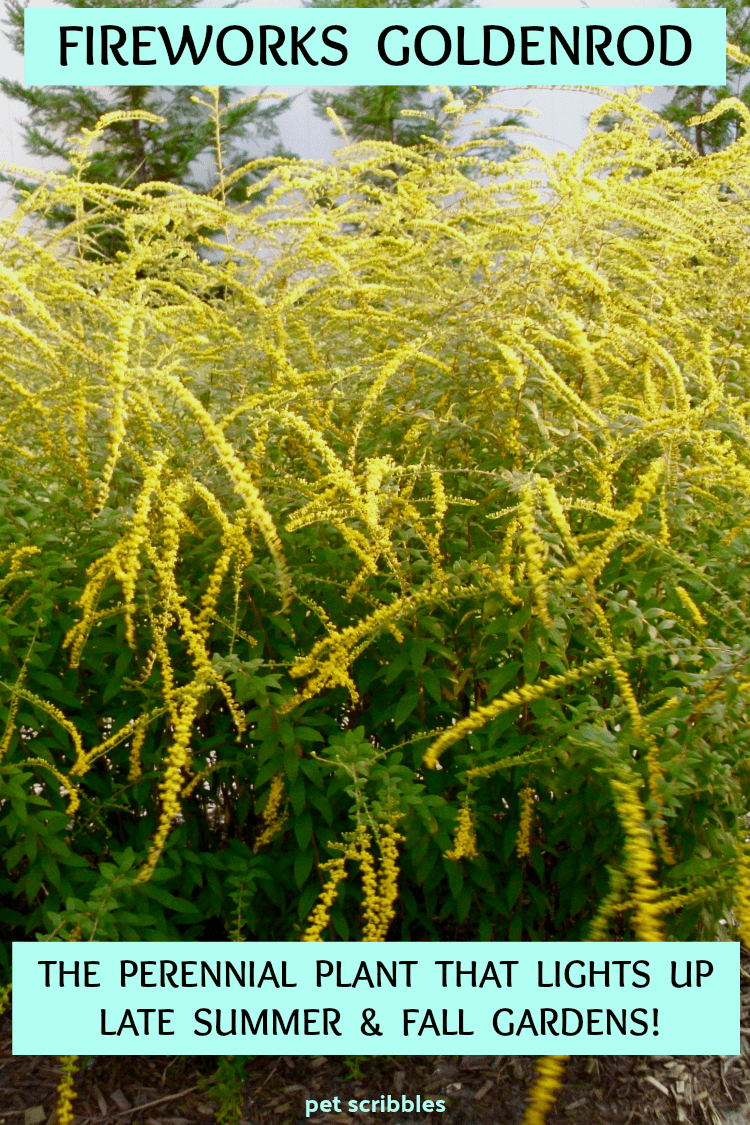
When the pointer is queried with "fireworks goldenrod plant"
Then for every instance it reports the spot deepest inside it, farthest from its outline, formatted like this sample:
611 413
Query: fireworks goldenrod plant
373 554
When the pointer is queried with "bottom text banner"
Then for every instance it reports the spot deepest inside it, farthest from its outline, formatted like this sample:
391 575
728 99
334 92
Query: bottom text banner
605 998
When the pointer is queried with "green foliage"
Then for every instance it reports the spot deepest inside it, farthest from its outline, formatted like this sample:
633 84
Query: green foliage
167 135
450 474
226 1087
690 102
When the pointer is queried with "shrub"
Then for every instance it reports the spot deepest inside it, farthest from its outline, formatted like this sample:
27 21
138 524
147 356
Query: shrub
398 528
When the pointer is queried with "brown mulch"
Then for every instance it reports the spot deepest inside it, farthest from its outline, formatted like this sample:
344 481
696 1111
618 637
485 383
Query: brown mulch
478 1089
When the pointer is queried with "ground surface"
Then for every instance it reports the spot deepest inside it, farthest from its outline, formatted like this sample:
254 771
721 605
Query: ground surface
478 1089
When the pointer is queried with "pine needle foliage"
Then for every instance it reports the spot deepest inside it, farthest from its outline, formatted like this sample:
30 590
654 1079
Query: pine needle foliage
163 133
385 552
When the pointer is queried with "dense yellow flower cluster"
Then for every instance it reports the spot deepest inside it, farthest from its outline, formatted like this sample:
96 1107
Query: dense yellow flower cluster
506 702
379 889
65 1092
542 1097
640 861
382 911
335 870
690 606
465 841
274 818
523 840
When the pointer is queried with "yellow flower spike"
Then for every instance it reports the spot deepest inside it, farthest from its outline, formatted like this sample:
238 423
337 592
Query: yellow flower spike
273 818
335 873
640 862
388 878
240 477
74 799
134 758
655 771
123 329
371 900
465 839
523 839
690 606
65 1091
536 552
10 726
506 702
542 1097
171 783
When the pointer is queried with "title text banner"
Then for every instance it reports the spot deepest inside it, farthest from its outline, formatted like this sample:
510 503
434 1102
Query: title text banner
374 46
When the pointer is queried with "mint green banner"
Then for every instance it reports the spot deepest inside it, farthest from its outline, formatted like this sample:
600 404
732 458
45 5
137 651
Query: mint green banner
398 998
355 46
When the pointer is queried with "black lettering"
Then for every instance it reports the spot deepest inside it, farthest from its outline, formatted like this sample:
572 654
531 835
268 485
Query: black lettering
418 45
591 46
188 972
113 47
510 45
640 973
499 1012
65 43
526 1023
146 1013
168 974
526 43
262 1021
220 45
206 970
568 981
573 52
239 975
197 57
293 1021
272 47
125 973
565 1021
383 972
462 60
699 973
206 1023
299 45
233 1029
268 974
47 963
687 45
336 46
141 44
649 44
381 45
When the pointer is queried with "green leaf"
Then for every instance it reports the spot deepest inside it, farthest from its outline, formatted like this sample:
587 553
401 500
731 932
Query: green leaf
405 707
303 826
303 866
532 657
